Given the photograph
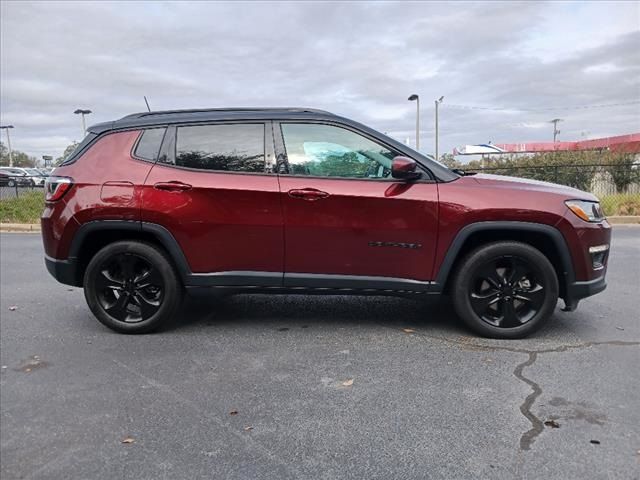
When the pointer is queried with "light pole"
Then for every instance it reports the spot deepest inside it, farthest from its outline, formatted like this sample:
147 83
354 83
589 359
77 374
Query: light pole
437 103
555 128
83 112
417 99
6 128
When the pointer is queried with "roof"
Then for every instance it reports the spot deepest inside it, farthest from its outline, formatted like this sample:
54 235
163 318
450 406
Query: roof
165 117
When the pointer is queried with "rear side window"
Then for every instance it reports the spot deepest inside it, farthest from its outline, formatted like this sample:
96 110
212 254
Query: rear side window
229 148
149 145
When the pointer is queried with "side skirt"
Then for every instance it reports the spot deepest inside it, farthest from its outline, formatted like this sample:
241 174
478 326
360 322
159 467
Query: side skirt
277 282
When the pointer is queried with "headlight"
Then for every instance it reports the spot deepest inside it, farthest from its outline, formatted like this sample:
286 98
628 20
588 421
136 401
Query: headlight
587 211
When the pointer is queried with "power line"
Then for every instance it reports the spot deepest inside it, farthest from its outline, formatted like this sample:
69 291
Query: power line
542 109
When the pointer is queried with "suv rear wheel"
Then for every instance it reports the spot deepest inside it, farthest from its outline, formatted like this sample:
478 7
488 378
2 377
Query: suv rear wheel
131 287
505 290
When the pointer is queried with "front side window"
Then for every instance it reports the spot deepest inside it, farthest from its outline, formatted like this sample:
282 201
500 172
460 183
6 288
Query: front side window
233 148
329 151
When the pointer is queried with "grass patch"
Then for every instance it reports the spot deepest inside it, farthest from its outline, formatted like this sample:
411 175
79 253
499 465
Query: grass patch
621 204
23 209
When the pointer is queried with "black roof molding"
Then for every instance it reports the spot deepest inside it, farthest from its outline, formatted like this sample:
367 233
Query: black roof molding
214 110
168 117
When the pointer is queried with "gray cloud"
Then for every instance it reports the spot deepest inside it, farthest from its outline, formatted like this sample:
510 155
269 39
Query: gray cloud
358 59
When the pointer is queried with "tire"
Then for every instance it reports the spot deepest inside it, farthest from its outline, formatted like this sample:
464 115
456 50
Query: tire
132 287
505 290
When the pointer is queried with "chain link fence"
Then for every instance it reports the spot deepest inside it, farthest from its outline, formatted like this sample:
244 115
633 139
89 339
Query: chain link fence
617 185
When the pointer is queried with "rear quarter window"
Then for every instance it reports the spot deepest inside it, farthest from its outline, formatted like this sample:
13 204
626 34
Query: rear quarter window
148 146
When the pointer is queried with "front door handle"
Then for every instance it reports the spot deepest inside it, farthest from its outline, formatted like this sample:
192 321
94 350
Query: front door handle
172 186
308 194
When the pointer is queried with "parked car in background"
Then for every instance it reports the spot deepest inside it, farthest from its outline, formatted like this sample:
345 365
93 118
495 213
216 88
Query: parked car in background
36 175
6 180
19 177
304 201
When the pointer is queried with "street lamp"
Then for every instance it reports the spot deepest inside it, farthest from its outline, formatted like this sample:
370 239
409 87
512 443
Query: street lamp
437 103
556 132
417 99
83 112
6 128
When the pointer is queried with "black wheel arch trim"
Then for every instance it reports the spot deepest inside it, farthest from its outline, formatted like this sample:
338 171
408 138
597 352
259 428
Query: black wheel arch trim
161 234
551 232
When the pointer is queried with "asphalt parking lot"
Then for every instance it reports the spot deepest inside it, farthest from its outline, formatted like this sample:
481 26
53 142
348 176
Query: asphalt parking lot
315 387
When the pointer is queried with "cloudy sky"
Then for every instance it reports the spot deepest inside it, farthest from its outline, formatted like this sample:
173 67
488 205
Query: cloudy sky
530 61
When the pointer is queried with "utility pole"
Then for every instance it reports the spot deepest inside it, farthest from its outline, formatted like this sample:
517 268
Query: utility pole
6 128
417 99
556 132
83 112
437 103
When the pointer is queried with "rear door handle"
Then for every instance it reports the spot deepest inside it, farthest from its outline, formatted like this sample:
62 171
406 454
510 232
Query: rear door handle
308 194
172 186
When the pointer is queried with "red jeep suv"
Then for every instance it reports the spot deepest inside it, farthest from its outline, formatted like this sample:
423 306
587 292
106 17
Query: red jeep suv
303 201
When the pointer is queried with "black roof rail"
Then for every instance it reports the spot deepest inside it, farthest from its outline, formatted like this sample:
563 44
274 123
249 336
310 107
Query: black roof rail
240 109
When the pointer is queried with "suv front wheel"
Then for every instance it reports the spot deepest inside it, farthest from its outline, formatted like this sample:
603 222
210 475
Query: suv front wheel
505 290
131 287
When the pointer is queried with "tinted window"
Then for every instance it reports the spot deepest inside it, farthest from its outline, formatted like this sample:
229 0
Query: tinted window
234 148
149 144
328 151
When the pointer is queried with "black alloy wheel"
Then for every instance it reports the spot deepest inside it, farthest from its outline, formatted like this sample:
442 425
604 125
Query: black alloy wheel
505 289
507 292
129 288
132 287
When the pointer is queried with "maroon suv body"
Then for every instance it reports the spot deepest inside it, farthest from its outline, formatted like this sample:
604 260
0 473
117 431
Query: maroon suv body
294 200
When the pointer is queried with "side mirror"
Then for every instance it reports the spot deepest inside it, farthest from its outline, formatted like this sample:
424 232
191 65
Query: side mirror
404 168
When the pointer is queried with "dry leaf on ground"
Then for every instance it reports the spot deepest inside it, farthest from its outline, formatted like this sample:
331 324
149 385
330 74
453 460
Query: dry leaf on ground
552 424
347 383
233 412
128 440
408 330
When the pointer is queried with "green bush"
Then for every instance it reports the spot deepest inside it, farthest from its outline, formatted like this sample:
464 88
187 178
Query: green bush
23 209
621 204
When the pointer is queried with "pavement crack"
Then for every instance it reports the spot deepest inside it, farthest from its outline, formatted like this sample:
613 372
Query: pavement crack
537 426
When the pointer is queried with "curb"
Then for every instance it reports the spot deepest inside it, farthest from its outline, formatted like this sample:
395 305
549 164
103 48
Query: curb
35 227
624 220
20 227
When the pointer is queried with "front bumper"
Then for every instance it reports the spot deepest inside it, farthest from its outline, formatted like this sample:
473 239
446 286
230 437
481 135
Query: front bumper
63 271
576 291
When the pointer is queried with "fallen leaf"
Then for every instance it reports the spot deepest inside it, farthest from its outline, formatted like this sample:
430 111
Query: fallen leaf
408 330
552 424
595 442
27 370
248 428
233 412
620 328
347 383
13 308
128 440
